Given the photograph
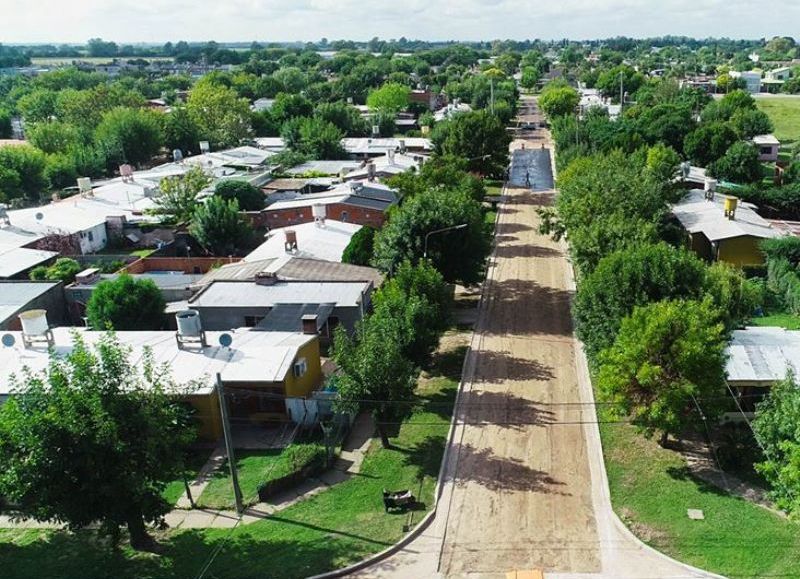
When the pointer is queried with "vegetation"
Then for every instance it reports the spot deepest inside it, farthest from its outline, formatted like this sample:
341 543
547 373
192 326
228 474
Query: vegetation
558 100
178 195
391 97
219 228
359 250
64 269
95 438
479 137
784 114
248 197
126 303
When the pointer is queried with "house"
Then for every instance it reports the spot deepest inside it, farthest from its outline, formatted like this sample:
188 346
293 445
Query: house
292 268
269 375
235 304
781 74
261 105
331 168
758 357
364 147
752 80
325 242
722 228
451 110
389 165
360 202
768 147
20 296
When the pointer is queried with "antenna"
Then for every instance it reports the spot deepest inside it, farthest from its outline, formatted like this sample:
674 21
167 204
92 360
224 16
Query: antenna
225 340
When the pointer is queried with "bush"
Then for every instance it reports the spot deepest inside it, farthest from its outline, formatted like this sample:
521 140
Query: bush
64 269
250 198
359 250
126 304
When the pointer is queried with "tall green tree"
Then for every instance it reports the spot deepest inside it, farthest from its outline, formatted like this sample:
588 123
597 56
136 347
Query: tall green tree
137 132
219 228
181 132
178 195
739 164
477 136
558 100
222 118
22 172
391 97
667 356
460 255
360 249
94 439
249 197
777 428
126 303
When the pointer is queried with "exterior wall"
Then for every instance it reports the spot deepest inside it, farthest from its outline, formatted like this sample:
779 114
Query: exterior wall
302 386
335 211
768 153
184 264
740 251
93 239
223 319
208 414
700 244
52 301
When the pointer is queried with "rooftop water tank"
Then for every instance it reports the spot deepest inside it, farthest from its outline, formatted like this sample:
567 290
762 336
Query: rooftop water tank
34 322
189 324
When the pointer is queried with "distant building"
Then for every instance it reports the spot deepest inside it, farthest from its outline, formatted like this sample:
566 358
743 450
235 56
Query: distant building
751 78
782 74
309 240
389 165
722 228
768 147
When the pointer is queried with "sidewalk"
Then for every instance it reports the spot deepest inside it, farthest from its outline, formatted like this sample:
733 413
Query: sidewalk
347 465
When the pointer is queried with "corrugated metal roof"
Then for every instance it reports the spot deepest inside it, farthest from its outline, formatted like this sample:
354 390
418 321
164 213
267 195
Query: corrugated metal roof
16 295
233 294
697 214
293 268
288 317
762 354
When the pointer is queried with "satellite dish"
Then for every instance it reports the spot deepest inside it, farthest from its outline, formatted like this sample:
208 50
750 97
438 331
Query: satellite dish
225 340
8 340
39 216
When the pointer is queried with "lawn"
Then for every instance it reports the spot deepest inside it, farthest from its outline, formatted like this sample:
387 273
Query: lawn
255 468
493 186
194 463
330 530
651 491
785 115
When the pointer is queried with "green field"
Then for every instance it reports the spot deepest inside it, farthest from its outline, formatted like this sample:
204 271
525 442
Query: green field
327 531
785 115
651 491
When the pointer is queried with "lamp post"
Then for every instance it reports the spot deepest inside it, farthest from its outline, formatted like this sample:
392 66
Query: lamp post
442 230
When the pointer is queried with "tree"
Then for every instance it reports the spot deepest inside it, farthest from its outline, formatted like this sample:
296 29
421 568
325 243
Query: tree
53 137
632 277
477 136
64 270
22 172
6 130
663 162
740 164
391 97
136 131
777 428
126 303
530 77
374 374
709 142
345 117
609 81
38 105
289 106
667 355
219 228
751 122
313 137
460 255
558 100
248 197
178 195
221 117
181 132
360 249
95 438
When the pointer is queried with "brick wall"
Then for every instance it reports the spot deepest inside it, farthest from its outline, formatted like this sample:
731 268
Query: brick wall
184 264
335 211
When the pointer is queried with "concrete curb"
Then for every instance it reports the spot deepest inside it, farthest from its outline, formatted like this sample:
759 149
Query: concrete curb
466 377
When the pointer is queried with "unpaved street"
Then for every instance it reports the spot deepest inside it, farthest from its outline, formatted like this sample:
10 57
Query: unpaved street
524 485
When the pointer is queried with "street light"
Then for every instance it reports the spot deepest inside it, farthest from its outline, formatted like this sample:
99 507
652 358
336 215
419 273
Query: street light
442 230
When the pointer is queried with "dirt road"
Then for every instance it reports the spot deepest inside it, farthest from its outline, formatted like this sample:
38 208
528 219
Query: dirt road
524 486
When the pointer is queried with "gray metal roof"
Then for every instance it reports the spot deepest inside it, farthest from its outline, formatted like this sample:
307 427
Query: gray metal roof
242 294
15 295
697 214
288 317
291 268
14 260
762 355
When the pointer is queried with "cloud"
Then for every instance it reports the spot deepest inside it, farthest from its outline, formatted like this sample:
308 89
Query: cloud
280 20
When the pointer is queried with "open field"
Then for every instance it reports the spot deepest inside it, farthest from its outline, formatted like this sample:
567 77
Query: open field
785 115
737 539
330 530
66 60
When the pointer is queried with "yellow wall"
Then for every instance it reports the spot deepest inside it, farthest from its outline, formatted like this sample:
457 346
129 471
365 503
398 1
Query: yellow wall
740 251
208 414
310 381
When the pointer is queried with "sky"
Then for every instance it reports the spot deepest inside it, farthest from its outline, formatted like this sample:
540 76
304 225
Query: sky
131 21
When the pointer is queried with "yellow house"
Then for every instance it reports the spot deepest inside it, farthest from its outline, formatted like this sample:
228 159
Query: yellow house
267 376
722 228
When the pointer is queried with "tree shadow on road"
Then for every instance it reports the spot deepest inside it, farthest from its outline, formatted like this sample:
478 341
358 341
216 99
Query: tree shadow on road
502 474
497 367
537 309
510 228
512 251
501 409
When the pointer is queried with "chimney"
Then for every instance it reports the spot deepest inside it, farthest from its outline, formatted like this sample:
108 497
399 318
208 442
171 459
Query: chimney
402 146
309 323
371 172
290 243
88 276
266 278
390 156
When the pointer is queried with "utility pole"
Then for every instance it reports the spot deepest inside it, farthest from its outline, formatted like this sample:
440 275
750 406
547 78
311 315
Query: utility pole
226 431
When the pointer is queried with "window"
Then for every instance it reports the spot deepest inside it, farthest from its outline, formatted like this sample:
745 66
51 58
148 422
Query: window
344 216
91 236
252 321
766 150
300 368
